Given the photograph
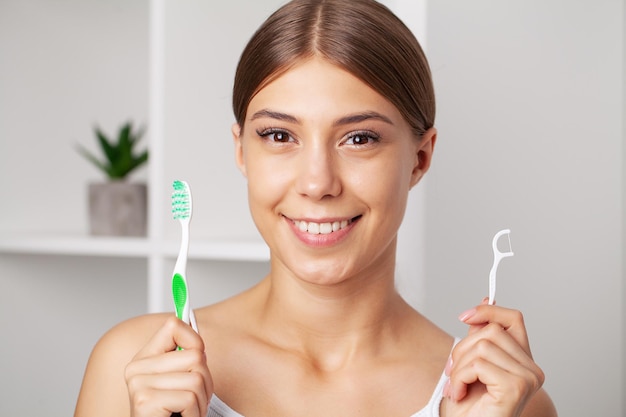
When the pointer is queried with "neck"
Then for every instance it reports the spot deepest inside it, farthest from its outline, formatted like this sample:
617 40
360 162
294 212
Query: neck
333 325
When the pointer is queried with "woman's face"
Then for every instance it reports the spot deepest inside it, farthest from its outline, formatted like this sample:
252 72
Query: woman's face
329 163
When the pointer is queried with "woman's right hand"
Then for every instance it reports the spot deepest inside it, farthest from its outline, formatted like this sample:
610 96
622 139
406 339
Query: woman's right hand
162 380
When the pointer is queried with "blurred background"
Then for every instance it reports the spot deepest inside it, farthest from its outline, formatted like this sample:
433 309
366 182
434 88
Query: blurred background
531 137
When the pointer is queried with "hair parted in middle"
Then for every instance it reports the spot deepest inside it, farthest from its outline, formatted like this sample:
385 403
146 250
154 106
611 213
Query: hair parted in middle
362 37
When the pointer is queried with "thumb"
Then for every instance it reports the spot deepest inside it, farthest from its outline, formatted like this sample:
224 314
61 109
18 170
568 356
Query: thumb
473 328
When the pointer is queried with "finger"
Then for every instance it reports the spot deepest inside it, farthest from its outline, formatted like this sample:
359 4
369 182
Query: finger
481 371
475 327
172 334
512 386
188 382
510 320
186 362
493 344
163 403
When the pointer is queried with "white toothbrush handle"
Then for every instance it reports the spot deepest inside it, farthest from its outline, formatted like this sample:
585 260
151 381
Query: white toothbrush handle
192 319
181 262
181 266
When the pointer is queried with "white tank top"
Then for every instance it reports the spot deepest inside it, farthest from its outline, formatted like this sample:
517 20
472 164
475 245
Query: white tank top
218 408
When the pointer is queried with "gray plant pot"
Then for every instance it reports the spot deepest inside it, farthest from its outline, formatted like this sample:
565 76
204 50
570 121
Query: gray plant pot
118 209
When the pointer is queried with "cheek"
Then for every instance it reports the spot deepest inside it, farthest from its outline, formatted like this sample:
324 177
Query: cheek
390 197
266 181
388 183
391 193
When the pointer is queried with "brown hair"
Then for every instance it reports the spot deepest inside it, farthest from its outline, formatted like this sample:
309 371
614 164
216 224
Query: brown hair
361 36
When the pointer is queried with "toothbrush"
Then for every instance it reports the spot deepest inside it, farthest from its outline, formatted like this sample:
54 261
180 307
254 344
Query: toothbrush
497 257
181 211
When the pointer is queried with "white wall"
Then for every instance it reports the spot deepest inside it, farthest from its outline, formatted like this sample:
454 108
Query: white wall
530 108
203 41
623 188
66 65
410 271
52 311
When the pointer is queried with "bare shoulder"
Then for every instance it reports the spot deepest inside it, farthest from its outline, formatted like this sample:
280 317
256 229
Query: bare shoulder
540 405
125 339
103 391
434 338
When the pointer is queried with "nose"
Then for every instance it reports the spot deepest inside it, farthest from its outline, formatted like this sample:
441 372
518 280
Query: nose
318 173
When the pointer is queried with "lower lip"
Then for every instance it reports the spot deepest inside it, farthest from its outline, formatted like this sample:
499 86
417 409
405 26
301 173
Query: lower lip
321 240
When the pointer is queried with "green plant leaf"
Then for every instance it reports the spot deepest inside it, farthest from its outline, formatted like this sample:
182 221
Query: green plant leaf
139 160
110 150
124 139
91 158
119 157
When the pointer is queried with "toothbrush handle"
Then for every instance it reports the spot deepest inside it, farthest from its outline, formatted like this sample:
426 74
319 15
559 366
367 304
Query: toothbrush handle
192 320
180 268
181 260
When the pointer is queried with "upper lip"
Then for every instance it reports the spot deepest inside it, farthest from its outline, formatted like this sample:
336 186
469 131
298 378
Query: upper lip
323 219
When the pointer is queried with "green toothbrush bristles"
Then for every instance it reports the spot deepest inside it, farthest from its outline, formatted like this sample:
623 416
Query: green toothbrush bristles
179 293
181 201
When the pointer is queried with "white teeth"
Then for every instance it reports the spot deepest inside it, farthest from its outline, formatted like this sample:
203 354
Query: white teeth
320 228
326 228
314 228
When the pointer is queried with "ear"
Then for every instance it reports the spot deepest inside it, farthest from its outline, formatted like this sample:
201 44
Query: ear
239 157
423 155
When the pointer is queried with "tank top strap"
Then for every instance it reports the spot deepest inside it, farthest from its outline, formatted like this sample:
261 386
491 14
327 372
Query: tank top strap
432 408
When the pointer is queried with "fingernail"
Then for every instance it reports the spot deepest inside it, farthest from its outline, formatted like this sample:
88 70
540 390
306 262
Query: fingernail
466 315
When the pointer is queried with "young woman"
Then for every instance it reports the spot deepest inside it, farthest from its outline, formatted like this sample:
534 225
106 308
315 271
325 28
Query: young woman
334 109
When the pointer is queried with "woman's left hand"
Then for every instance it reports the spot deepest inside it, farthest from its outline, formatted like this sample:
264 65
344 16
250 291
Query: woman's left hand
492 372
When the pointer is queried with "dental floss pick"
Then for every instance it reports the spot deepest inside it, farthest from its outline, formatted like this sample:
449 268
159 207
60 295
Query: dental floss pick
497 257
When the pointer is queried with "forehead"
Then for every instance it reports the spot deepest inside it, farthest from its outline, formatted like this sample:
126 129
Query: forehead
315 88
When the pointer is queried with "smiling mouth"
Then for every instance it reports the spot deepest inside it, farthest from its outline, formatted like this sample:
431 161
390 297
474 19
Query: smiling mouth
326 228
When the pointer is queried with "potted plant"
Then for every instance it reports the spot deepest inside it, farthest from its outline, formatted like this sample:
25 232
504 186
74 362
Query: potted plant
117 207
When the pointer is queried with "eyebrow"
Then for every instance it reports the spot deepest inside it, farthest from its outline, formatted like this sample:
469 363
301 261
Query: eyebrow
361 117
274 115
351 118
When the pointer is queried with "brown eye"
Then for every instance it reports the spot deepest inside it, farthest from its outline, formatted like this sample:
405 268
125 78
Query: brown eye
273 135
279 137
361 139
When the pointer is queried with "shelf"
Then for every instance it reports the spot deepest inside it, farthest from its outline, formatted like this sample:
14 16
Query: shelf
128 247
224 250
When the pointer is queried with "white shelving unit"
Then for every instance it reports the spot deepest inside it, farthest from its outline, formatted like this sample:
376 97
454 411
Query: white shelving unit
161 245
154 251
